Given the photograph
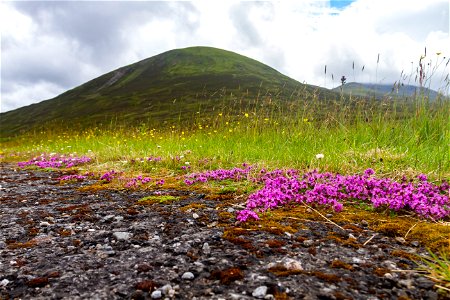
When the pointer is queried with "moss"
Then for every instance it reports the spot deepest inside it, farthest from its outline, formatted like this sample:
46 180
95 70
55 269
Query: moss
19 245
275 243
33 231
381 271
341 265
312 250
193 206
157 199
38 282
64 232
132 211
331 278
227 276
146 286
351 242
352 228
281 271
225 217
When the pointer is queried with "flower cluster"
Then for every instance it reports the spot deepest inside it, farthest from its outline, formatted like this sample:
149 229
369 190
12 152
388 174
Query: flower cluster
235 174
137 181
331 190
54 160
75 177
108 176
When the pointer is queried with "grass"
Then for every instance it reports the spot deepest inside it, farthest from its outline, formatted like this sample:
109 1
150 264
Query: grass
402 137
438 269
370 137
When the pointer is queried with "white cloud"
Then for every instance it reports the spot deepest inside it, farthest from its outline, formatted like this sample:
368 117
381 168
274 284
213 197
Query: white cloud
49 47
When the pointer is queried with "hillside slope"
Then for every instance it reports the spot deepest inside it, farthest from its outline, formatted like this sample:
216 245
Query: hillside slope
380 91
166 87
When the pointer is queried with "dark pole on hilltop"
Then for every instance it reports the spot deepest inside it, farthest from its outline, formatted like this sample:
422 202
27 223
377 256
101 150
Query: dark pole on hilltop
343 79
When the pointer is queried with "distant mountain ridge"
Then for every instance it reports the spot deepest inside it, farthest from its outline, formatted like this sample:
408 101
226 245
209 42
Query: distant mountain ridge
170 86
386 90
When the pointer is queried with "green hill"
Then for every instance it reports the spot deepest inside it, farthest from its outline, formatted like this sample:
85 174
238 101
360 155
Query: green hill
380 91
168 87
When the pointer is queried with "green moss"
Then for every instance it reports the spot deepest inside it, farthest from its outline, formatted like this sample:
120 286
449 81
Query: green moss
157 199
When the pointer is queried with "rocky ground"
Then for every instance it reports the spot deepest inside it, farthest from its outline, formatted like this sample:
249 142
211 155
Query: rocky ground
58 241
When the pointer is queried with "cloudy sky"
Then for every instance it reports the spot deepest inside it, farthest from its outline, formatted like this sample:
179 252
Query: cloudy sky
48 47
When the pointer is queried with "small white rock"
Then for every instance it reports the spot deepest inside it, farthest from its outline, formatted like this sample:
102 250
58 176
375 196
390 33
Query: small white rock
187 276
308 243
195 216
4 282
260 292
206 249
400 240
156 294
121 235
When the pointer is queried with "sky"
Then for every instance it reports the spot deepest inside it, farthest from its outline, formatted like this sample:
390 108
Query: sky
48 47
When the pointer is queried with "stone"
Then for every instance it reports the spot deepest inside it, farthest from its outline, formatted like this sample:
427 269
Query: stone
308 243
156 294
260 292
165 289
206 249
4 282
288 263
187 276
400 240
122 236
415 244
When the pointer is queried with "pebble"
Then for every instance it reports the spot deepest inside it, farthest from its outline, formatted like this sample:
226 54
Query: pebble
415 244
287 263
4 282
260 292
187 276
400 240
389 265
308 243
406 283
165 289
122 236
156 294
364 223
195 216
206 249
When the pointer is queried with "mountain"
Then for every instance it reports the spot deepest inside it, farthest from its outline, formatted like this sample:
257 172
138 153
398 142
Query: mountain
380 91
171 86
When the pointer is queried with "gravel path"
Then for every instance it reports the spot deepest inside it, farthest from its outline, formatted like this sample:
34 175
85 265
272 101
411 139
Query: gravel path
63 242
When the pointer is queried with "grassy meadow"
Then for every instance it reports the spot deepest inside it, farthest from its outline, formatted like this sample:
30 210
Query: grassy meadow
403 138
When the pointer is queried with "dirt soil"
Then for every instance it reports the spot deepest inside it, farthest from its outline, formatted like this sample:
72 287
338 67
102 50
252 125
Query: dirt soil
67 241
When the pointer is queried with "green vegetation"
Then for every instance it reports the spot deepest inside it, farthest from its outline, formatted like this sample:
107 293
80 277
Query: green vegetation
157 199
350 137
169 87
159 118
437 266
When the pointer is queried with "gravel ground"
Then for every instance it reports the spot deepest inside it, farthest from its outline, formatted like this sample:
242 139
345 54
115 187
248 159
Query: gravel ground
60 242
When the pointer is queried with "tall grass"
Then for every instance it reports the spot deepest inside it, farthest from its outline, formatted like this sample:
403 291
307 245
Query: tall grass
392 137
